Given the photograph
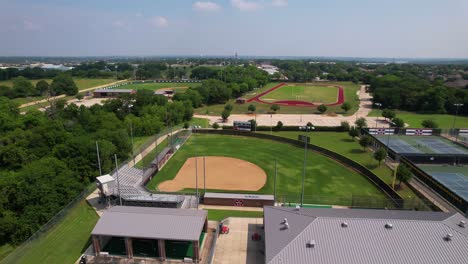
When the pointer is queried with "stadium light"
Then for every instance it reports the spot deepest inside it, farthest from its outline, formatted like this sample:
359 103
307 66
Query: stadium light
379 105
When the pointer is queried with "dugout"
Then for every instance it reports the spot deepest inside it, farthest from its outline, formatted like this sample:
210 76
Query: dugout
233 199
141 232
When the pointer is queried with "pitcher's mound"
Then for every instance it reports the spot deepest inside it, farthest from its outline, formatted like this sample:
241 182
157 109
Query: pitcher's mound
222 173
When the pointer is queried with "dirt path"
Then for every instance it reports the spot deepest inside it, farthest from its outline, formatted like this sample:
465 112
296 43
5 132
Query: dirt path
365 107
62 95
222 173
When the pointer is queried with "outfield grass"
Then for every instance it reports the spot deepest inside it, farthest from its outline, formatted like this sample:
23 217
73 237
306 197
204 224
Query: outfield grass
312 93
350 91
218 215
324 178
203 122
178 87
66 241
415 119
341 143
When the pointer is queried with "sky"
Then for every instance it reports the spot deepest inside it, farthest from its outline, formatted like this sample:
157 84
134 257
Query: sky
329 28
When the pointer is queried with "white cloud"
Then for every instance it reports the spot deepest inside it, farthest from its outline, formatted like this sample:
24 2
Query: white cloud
245 5
119 24
138 14
206 6
159 21
29 25
280 3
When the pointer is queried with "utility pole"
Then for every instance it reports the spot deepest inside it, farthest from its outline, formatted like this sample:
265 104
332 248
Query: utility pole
204 174
376 119
274 184
196 176
454 120
98 158
305 163
118 182
133 147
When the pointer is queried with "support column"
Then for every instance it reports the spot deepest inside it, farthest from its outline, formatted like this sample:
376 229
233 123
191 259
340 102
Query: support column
196 251
129 247
162 249
96 245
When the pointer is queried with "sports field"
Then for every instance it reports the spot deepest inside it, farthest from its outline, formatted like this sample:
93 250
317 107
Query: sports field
307 93
421 144
177 87
414 119
454 178
325 177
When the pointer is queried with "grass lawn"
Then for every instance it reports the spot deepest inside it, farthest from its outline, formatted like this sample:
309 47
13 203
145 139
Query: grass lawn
5 250
350 90
341 143
324 178
218 215
415 119
139 141
312 93
146 161
203 122
178 87
66 241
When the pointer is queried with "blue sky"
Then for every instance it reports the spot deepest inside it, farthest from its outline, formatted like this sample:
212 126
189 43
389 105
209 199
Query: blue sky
349 28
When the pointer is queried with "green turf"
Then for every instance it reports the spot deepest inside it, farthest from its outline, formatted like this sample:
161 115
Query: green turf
350 91
325 177
203 122
65 242
218 215
415 119
341 143
5 250
178 87
307 93
413 141
139 141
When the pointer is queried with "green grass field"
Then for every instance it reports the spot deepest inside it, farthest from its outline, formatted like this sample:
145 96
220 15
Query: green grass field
65 242
203 122
324 178
341 143
218 215
307 93
415 119
350 90
178 87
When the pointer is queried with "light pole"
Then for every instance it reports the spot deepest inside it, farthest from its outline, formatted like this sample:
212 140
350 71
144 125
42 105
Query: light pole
455 119
379 105
118 181
307 129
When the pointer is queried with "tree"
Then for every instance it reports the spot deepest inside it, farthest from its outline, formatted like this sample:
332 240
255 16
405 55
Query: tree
186 125
365 141
225 115
344 125
215 125
388 114
279 125
346 107
403 174
22 87
275 107
63 84
361 123
251 108
228 107
429 123
79 96
322 108
353 132
398 122
309 124
42 87
380 155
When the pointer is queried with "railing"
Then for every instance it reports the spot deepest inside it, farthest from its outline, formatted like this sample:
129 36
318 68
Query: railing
374 179
26 245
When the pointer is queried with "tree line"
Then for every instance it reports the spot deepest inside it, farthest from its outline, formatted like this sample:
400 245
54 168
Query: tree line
22 87
47 158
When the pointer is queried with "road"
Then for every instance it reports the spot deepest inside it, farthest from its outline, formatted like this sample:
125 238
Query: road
365 106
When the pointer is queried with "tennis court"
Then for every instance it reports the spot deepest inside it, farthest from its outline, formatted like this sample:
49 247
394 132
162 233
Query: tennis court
421 144
454 178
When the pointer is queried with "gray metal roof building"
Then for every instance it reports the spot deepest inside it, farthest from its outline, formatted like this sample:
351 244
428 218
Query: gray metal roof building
161 225
319 235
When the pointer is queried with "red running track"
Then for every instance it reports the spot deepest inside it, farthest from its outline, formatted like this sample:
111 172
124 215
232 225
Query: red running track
293 102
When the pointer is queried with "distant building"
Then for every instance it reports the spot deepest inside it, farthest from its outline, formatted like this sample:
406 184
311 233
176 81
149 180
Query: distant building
319 235
110 93
270 69
166 92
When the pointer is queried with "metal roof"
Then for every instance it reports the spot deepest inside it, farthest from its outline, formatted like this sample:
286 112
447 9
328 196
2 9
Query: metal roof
151 223
239 196
416 237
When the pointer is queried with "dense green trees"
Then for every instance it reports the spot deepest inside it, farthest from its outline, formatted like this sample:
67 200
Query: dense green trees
46 159
63 84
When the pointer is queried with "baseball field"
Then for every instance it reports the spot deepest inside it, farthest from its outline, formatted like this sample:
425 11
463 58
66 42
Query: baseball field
324 177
